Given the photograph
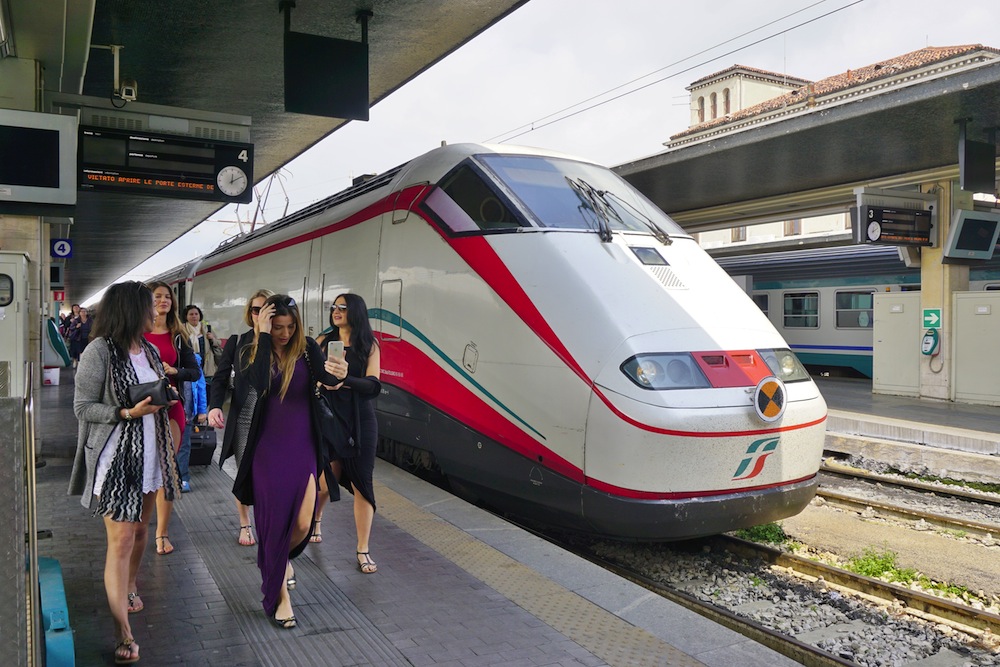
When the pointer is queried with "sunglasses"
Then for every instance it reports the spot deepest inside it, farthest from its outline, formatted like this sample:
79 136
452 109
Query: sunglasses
255 310
339 306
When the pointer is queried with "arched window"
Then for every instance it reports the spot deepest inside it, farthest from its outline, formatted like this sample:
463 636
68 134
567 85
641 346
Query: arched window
701 109
715 105
725 102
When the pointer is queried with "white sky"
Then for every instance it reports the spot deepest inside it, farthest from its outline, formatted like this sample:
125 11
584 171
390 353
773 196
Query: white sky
553 54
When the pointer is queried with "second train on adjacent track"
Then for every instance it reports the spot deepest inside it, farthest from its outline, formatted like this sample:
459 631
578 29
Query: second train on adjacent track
552 343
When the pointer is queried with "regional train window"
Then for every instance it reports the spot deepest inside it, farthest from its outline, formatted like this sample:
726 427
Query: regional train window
992 287
762 302
801 310
854 309
471 204
6 290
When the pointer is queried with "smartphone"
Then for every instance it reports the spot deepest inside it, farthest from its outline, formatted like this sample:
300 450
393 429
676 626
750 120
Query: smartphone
208 328
335 349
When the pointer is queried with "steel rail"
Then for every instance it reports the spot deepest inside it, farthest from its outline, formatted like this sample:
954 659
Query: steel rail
928 607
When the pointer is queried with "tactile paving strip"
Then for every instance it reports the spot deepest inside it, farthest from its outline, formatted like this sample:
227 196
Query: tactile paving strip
599 631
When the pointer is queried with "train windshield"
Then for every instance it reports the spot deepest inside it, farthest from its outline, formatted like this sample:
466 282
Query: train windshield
566 194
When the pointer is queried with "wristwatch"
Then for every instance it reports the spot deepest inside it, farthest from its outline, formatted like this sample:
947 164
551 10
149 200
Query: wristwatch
128 415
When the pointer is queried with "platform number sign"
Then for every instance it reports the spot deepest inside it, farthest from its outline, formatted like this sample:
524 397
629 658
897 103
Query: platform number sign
61 248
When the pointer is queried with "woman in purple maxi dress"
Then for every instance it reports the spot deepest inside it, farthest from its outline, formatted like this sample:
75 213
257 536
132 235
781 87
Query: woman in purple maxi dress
282 458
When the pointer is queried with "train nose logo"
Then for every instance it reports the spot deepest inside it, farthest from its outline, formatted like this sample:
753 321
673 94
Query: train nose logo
769 399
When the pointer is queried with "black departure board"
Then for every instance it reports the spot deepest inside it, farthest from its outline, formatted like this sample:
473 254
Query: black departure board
892 226
164 165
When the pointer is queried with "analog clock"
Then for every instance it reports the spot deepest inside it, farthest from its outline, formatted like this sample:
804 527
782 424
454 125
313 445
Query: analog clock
874 231
232 181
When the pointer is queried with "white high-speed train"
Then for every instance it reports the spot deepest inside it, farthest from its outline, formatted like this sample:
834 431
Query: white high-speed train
552 343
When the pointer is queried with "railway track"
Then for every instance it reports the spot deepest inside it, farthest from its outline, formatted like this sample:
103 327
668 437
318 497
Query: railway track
954 522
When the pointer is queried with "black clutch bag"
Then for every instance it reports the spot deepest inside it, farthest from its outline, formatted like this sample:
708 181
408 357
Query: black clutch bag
161 390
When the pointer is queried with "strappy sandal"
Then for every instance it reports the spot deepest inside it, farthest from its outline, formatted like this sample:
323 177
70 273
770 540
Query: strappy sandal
246 540
317 535
135 604
284 623
163 545
367 565
129 645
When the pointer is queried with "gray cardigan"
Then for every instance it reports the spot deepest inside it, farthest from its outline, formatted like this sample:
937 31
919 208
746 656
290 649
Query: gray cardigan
96 408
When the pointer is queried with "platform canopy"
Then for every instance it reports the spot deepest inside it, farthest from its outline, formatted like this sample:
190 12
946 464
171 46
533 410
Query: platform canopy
888 124
219 57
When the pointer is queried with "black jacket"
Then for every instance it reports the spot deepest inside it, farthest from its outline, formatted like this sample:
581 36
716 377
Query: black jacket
257 377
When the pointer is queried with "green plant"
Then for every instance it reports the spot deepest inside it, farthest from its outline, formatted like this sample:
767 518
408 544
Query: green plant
770 533
872 562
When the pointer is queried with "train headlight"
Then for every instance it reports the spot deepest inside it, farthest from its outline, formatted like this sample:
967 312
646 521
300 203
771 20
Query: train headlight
664 371
785 365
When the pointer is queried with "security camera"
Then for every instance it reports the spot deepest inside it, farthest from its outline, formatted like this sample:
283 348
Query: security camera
129 90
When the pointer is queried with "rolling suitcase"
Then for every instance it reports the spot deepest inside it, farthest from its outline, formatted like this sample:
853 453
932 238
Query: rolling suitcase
203 443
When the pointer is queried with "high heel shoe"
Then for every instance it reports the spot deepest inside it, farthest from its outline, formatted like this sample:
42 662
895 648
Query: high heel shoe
284 623
290 581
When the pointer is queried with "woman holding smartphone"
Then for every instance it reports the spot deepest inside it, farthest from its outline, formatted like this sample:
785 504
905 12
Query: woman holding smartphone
361 362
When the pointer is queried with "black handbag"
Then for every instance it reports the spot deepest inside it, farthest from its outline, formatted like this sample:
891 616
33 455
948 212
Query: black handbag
338 441
161 390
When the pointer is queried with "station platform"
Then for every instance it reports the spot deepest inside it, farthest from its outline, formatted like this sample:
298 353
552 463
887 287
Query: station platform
455 586
942 438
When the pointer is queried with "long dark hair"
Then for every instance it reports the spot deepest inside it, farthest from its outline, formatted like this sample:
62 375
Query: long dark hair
362 337
126 313
285 305
172 321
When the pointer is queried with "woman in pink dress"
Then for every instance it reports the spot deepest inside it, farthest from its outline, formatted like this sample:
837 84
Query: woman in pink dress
179 365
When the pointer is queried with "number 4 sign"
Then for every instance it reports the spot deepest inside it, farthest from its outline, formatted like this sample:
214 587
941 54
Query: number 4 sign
61 248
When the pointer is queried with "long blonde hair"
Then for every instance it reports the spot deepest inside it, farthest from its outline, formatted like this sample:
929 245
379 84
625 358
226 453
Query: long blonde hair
285 305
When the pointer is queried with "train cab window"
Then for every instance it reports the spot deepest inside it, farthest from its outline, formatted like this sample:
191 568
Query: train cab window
567 194
801 310
466 203
6 290
762 302
855 309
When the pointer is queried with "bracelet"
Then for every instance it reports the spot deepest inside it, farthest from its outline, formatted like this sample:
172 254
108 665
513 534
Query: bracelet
128 415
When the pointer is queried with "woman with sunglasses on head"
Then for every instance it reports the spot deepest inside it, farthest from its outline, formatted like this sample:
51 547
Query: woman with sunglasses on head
362 366
180 366
124 454
283 456
222 383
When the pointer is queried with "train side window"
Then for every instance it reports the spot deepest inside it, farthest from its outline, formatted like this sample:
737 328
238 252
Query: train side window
801 310
762 302
855 310
471 205
992 287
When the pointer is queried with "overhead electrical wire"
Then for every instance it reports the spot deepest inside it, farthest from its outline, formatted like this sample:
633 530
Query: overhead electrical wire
538 124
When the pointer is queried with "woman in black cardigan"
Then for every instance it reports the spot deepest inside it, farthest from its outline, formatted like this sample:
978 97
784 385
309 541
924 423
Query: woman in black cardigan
221 382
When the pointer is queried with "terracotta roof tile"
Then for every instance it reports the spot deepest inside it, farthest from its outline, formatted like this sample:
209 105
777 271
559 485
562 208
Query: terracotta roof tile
839 82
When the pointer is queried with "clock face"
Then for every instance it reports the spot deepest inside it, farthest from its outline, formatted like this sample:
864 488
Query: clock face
232 181
874 231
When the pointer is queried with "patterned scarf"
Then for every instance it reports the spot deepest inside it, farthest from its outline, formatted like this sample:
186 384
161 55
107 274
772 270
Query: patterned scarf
121 497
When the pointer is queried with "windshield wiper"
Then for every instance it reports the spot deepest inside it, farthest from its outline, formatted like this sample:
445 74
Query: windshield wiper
594 200
657 231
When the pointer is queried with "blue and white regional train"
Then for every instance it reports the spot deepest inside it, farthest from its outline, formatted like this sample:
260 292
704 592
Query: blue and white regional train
820 300
552 343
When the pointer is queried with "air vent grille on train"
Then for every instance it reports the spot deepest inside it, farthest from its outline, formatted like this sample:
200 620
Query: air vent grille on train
667 276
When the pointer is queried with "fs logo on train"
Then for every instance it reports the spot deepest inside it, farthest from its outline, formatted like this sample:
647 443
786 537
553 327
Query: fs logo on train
769 399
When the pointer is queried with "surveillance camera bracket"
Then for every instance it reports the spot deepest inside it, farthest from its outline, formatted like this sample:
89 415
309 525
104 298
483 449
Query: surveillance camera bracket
115 50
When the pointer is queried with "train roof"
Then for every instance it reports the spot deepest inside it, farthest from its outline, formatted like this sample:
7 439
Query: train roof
849 261
429 167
